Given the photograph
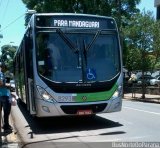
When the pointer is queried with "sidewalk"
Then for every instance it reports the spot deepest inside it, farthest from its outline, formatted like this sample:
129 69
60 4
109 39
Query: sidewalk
138 97
10 139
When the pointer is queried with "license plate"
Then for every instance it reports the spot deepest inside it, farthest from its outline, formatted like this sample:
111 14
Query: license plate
84 112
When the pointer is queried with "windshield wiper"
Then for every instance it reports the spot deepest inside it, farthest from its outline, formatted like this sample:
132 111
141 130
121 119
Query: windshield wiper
85 52
71 46
67 40
93 40
84 55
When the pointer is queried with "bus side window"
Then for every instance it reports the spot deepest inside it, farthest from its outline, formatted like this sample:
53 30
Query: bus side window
28 53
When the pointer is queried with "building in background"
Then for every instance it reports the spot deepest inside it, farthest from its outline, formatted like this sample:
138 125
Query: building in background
157 4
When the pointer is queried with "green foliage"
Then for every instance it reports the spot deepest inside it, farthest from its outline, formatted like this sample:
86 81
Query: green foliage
139 38
72 6
156 44
132 62
7 55
157 65
142 38
115 8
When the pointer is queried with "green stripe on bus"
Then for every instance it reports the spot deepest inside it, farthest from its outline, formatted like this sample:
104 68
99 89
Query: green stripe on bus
97 96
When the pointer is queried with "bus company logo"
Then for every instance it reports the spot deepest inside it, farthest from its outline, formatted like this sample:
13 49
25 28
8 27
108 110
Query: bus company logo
84 98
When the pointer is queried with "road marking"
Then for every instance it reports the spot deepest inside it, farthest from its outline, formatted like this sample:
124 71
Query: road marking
142 110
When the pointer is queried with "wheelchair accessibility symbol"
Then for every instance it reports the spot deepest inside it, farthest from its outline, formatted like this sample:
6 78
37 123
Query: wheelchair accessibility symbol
91 74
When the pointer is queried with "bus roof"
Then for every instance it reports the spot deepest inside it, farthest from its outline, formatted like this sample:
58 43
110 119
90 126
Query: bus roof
71 14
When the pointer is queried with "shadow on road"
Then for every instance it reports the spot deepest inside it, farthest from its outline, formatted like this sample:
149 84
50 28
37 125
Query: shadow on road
66 123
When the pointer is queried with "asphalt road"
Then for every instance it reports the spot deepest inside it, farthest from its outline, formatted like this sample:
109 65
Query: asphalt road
137 122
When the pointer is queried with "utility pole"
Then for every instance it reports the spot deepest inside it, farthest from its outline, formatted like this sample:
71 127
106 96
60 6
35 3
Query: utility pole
1 36
118 13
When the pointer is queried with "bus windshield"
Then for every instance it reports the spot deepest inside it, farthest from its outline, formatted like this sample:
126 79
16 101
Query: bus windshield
77 56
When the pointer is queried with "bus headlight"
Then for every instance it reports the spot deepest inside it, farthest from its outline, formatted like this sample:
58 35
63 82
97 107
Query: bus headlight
118 92
44 94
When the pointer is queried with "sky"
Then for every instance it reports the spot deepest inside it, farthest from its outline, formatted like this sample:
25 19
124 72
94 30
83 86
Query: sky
147 5
12 13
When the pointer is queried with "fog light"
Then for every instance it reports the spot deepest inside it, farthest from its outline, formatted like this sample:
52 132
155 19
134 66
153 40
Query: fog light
46 109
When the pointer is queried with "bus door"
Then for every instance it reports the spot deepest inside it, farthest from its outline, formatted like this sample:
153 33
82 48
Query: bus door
29 73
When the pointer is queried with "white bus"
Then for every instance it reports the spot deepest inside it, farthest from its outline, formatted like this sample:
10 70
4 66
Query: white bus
69 64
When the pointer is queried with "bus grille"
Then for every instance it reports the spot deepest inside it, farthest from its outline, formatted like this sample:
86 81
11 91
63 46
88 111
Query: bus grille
72 109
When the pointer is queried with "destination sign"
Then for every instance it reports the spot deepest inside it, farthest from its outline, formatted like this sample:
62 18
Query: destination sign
75 21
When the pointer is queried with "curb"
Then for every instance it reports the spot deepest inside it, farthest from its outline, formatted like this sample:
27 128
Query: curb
9 139
147 99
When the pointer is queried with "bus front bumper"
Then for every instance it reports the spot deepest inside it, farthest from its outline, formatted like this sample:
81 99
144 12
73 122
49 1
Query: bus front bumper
47 109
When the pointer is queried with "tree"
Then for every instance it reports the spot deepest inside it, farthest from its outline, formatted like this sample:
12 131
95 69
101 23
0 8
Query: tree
142 36
156 45
115 8
7 55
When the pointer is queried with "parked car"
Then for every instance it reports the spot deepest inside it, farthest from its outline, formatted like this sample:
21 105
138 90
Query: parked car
147 79
12 85
155 81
